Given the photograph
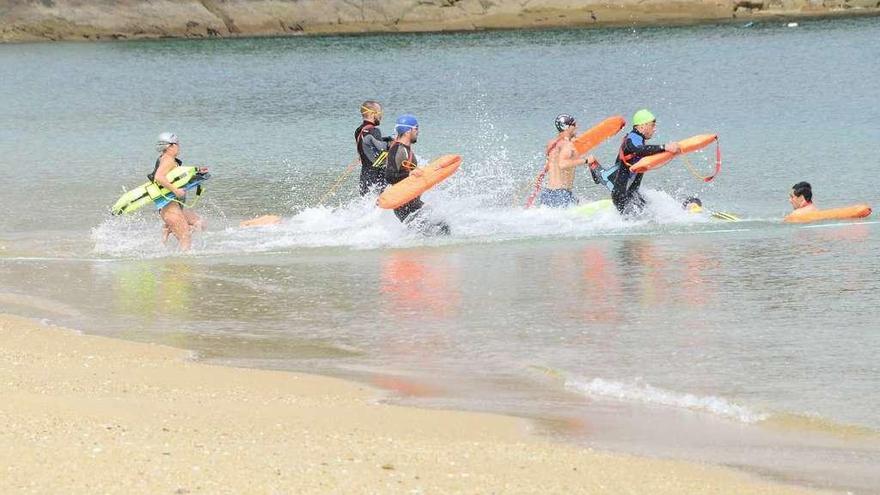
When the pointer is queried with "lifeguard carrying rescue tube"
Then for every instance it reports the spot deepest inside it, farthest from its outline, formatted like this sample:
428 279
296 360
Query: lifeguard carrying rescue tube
150 191
591 138
412 187
688 145
848 212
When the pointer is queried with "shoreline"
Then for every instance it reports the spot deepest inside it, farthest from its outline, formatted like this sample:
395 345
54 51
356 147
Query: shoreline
114 415
65 20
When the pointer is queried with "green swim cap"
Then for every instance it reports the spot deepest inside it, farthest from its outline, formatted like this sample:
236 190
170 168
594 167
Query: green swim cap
643 116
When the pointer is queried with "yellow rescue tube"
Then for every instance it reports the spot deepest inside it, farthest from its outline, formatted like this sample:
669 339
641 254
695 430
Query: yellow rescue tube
848 212
412 187
688 145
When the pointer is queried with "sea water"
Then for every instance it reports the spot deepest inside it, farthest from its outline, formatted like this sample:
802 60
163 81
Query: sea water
751 344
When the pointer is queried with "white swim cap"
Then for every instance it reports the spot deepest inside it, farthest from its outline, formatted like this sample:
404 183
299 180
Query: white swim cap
168 138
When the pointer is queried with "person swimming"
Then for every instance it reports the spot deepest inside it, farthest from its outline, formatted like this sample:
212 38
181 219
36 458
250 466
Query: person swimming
801 198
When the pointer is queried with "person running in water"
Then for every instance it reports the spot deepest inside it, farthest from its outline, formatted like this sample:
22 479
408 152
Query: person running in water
562 159
371 148
178 221
401 164
624 183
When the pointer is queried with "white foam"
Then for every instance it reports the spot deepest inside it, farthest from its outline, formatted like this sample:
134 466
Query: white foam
474 213
637 391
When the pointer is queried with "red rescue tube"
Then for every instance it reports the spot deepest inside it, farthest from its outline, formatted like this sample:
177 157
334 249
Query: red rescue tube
412 187
688 145
847 212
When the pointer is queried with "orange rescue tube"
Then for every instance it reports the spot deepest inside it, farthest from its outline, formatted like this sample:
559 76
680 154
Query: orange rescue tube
412 187
598 133
687 146
847 212
585 142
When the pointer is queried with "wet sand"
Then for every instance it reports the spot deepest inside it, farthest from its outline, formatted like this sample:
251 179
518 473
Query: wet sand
87 414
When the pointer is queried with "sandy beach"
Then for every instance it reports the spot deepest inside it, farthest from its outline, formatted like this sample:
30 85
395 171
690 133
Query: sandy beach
86 414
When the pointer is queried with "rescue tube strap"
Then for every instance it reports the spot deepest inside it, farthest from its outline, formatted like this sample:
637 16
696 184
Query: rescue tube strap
537 186
539 180
339 181
710 178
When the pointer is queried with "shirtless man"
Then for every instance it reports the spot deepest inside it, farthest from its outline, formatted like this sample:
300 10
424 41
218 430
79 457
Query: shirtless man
562 158
801 198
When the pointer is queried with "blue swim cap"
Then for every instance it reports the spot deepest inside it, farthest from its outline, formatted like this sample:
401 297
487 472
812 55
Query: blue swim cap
405 123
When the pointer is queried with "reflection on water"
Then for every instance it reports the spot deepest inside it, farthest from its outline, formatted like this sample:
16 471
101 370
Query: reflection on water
730 327
419 286
148 290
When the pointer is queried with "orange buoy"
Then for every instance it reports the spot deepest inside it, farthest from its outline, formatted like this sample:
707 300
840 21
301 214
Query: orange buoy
598 133
688 145
847 212
412 187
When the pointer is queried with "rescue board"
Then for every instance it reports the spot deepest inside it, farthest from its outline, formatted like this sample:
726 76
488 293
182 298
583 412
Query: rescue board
845 213
196 181
688 145
593 208
412 187
149 192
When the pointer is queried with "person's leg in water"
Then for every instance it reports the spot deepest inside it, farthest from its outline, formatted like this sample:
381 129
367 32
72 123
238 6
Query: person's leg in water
635 205
196 222
412 215
177 223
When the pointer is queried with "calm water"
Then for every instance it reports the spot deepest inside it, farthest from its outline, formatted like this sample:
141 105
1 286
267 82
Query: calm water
750 344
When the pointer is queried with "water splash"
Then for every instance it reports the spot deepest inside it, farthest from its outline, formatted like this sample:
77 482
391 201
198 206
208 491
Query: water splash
359 224
637 391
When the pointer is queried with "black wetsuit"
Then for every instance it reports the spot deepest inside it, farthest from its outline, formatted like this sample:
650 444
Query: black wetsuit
625 194
400 161
152 175
370 148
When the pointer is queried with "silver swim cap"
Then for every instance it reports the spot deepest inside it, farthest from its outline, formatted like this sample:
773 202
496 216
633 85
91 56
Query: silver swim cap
168 138
563 121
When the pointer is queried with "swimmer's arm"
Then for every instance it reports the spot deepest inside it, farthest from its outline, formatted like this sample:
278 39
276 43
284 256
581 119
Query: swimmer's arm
567 163
372 145
642 150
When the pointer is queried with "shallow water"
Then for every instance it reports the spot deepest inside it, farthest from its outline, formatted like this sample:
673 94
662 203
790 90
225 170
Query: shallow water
749 344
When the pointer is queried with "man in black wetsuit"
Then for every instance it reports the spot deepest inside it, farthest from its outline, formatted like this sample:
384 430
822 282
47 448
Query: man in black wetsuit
400 164
371 148
625 191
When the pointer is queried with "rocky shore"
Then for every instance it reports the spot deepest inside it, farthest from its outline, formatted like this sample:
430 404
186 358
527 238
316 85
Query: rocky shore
34 20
